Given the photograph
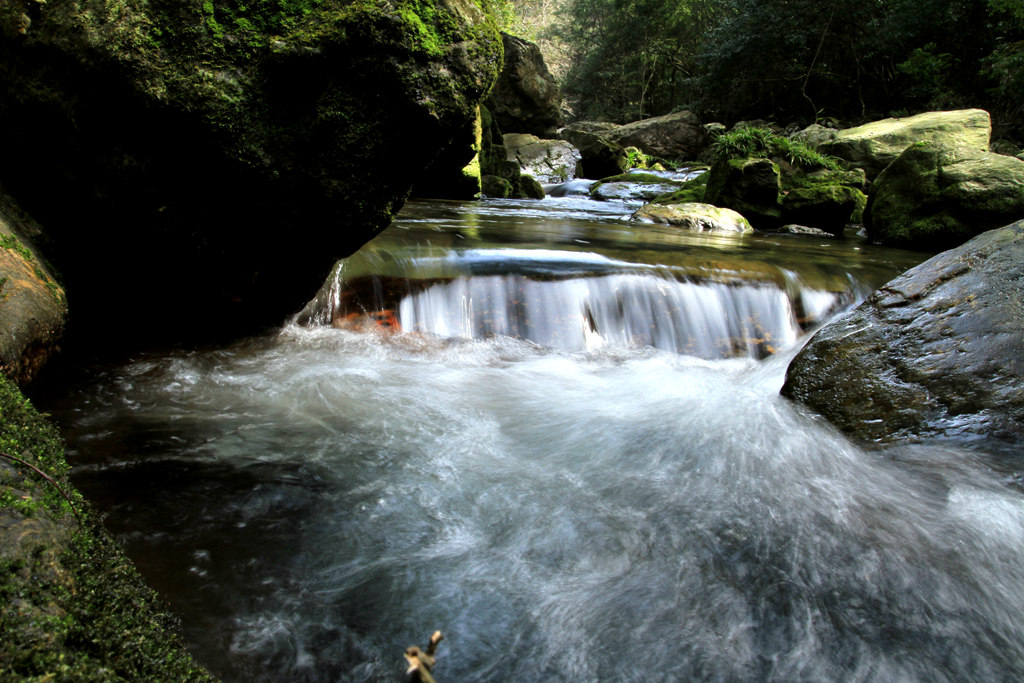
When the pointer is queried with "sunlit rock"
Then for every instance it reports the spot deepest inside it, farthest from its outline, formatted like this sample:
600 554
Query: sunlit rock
697 217
875 145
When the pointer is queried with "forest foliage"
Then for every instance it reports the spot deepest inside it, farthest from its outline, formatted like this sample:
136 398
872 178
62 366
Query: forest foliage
792 60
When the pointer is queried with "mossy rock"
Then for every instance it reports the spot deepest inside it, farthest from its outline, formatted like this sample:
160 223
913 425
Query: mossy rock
826 200
496 187
751 186
697 217
690 191
875 145
72 606
530 188
936 196
213 156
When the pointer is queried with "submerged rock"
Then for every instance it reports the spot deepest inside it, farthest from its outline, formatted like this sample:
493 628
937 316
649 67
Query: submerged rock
694 216
875 145
208 161
633 187
937 352
936 196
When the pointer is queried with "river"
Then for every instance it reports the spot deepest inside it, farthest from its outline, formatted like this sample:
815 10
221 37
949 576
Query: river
558 438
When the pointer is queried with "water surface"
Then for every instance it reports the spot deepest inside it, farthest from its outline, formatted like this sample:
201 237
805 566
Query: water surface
314 501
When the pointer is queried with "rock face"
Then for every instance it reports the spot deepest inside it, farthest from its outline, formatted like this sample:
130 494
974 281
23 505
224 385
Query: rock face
548 161
875 145
936 352
33 307
694 216
679 136
526 98
199 165
936 196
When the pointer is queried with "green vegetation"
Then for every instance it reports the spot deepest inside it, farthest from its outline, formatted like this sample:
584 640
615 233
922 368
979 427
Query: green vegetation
763 143
794 60
72 606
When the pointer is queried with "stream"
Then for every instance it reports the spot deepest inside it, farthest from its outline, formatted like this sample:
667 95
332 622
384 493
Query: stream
557 437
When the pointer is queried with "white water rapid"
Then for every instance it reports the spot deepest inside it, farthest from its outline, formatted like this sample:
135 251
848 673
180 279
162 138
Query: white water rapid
313 502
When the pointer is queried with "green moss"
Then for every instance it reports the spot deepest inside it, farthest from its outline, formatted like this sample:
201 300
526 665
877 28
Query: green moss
691 191
72 606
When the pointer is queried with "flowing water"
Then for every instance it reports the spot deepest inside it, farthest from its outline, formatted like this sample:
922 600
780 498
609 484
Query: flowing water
556 437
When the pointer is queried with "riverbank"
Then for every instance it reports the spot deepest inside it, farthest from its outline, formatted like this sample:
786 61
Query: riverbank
73 605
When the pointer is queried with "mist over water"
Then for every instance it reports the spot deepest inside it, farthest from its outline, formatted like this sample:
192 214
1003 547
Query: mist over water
313 502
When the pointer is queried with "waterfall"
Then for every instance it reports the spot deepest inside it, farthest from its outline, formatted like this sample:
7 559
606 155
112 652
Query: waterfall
573 301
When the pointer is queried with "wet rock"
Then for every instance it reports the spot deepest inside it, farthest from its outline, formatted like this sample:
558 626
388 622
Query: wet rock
679 136
633 187
935 196
526 98
211 160
937 352
33 308
875 145
694 216
496 187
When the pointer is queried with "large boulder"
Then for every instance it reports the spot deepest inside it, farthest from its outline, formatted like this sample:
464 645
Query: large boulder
936 196
526 98
599 158
199 165
751 186
694 216
548 161
33 308
936 352
679 136
875 145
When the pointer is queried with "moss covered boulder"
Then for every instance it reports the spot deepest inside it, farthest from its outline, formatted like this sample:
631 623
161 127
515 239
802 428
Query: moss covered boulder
935 353
207 160
599 158
937 196
875 145
694 216
33 307
72 606
751 186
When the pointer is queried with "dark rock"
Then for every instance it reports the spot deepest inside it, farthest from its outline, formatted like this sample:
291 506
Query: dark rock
751 186
937 196
679 136
599 158
497 187
526 98
209 161
937 352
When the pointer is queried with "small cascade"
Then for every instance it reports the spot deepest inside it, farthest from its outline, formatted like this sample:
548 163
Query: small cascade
573 301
